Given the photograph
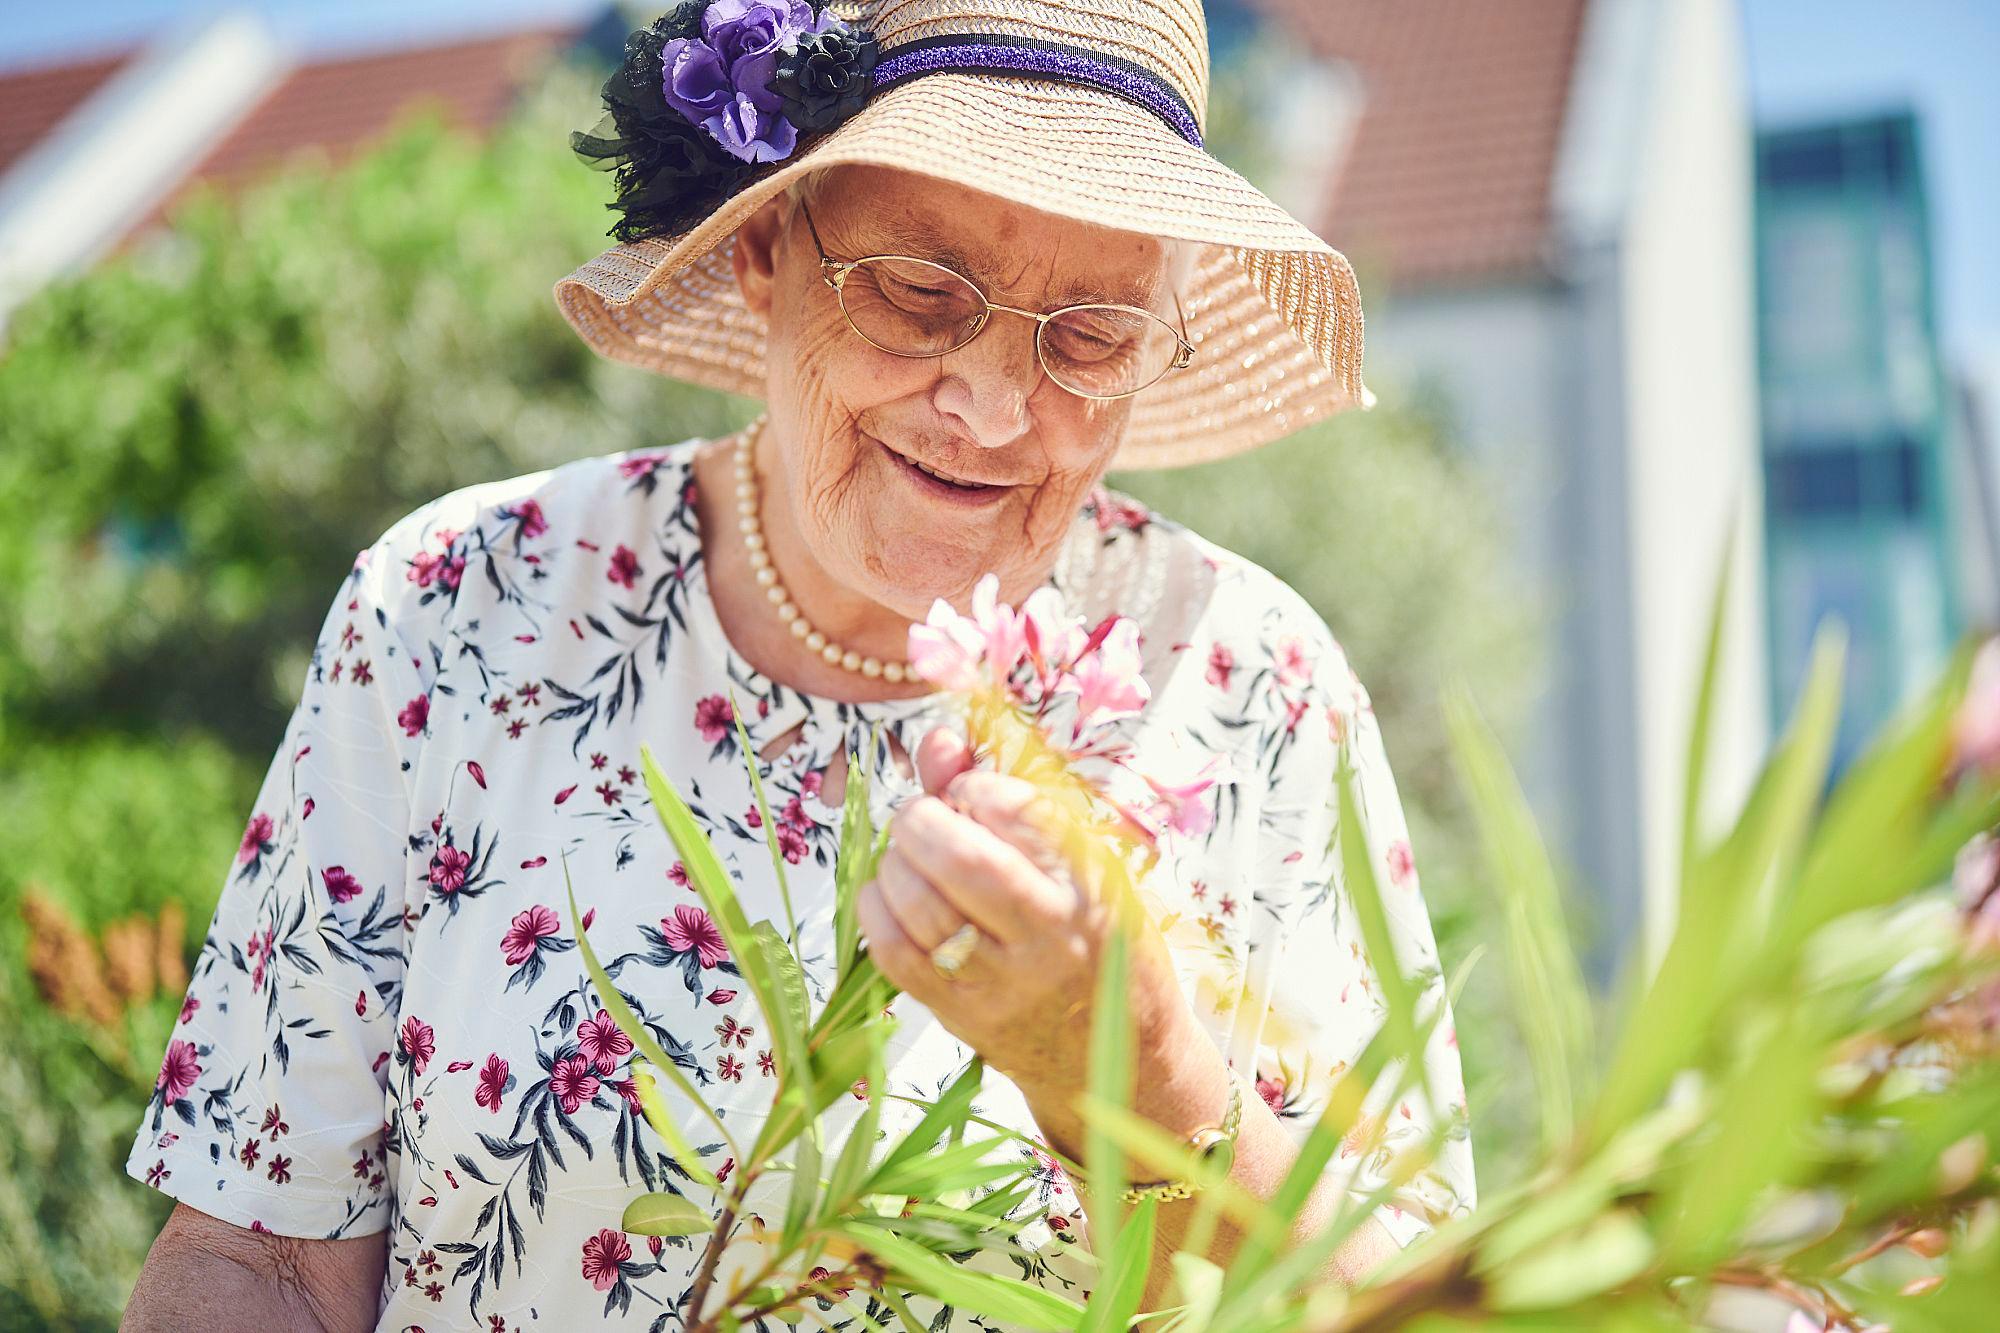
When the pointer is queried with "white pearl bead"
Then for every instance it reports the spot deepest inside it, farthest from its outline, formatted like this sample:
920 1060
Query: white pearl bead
830 654
767 577
893 672
815 641
776 592
801 627
788 610
746 525
851 660
747 506
754 540
760 560
871 667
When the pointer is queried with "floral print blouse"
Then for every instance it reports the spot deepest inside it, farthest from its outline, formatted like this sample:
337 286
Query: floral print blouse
389 1028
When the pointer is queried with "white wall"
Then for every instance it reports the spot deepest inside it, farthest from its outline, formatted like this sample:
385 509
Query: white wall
1691 423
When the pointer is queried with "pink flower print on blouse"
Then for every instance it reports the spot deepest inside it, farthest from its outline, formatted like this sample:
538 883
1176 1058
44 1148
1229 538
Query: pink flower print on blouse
572 1083
1220 663
690 930
525 934
256 839
602 1254
448 868
416 715
419 1043
178 1071
791 843
1402 865
340 886
528 515
1294 667
494 1083
624 569
601 1042
713 717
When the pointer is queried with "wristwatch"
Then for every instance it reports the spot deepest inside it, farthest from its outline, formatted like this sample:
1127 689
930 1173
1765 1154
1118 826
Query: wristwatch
1214 1147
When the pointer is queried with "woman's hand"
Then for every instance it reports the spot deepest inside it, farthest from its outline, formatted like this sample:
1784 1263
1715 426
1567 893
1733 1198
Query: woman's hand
969 850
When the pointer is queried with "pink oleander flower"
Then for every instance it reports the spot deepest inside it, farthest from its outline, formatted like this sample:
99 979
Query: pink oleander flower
178 1071
602 1254
526 932
690 928
1182 807
948 649
601 1042
1106 682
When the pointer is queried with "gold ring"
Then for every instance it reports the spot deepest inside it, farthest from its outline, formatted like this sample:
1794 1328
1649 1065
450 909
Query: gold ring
949 958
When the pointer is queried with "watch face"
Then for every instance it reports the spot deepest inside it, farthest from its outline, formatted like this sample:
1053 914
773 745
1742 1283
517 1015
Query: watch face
1220 1156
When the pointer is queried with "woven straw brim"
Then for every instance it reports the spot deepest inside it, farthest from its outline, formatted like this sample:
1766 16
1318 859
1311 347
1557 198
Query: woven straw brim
1274 313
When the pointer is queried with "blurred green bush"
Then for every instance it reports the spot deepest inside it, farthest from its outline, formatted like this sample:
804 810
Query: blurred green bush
196 437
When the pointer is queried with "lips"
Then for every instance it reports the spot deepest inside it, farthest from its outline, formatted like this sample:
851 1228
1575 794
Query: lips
944 488
945 477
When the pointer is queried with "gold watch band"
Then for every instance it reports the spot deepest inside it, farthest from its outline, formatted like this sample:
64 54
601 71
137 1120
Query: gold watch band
1213 1144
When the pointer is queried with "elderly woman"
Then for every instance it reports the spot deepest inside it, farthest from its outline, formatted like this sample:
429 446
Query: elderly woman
971 256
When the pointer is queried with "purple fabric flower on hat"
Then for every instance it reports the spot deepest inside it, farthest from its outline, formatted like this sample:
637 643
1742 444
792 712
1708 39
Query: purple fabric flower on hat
721 80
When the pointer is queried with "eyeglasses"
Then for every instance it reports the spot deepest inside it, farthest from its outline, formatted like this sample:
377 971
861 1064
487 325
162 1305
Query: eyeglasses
915 308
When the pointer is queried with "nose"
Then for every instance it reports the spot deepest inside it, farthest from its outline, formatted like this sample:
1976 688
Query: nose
987 383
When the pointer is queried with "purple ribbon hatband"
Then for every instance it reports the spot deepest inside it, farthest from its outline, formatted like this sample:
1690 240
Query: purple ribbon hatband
993 53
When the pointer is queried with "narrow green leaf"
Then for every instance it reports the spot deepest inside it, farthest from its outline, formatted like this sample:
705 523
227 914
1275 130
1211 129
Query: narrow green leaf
805 1182
1010 1301
852 1165
764 813
854 865
665 1215
1111 1073
711 881
642 1041
1123 1285
1611 1251
1554 1005
1695 779
938 1120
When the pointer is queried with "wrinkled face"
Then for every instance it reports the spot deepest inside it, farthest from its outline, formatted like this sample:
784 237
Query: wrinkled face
854 422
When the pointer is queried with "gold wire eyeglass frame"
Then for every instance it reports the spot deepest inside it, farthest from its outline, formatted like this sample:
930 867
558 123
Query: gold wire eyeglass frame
835 272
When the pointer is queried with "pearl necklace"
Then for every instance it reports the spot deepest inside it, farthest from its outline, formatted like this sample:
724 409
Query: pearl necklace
752 528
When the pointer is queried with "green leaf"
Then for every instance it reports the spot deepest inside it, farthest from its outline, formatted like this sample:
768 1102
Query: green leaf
764 812
1554 1005
1610 1252
1009 1301
1704 715
852 1165
1110 1082
711 881
940 1118
805 1183
959 1167
642 1041
1123 1284
854 866
665 1215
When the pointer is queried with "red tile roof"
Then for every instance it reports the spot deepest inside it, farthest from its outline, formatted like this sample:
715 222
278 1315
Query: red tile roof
34 101
1448 177
339 105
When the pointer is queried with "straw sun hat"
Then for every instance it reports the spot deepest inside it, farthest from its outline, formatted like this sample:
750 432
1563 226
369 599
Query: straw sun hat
1089 109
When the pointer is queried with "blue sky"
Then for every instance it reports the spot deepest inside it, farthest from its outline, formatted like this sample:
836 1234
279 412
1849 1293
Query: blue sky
1806 58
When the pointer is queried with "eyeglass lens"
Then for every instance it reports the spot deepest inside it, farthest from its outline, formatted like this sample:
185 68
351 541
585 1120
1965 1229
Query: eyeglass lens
914 308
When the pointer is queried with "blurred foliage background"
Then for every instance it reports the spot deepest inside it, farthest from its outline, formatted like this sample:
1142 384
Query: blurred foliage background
197 436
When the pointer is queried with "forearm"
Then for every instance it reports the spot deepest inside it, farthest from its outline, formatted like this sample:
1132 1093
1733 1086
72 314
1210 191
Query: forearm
1185 1088
205 1274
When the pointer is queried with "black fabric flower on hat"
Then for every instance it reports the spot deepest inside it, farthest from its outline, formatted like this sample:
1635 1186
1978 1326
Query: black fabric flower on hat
711 93
824 80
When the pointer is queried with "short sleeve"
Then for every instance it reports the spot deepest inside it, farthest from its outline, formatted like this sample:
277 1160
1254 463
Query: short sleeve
268 1108
1324 1002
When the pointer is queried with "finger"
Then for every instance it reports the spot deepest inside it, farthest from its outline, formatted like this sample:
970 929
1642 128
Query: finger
941 756
985 877
1016 811
898 957
925 915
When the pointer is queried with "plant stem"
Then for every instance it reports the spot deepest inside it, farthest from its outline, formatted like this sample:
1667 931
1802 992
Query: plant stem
705 1276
